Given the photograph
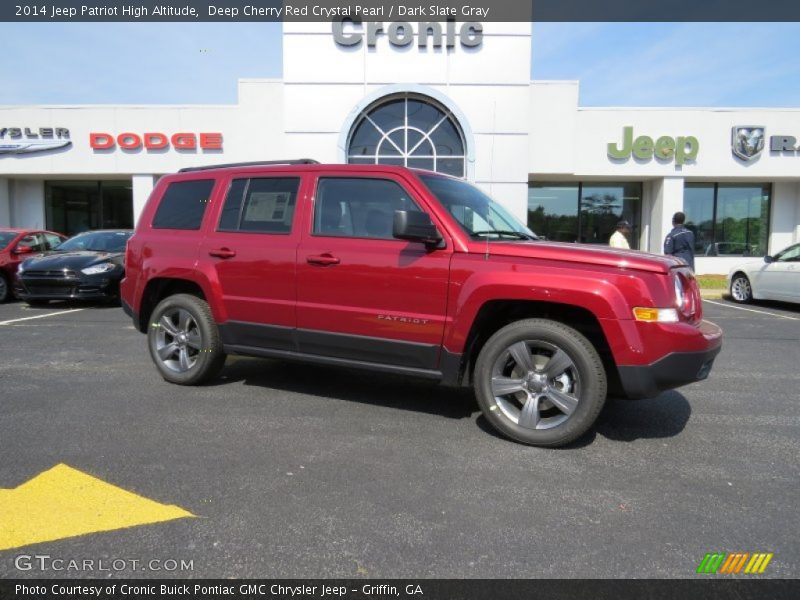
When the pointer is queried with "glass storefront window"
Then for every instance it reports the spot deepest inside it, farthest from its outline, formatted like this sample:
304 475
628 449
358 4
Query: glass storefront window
553 211
742 222
698 205
728 219
75 206
604 205
584 212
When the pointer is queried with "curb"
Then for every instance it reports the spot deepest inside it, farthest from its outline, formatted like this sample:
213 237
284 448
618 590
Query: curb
712 294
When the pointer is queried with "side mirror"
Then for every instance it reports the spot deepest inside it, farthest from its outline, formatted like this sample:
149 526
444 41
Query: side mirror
415 226
768 259
23 250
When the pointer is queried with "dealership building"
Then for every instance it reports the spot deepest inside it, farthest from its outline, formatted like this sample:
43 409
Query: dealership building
451 97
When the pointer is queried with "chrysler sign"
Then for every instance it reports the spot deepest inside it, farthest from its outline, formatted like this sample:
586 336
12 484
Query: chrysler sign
26 140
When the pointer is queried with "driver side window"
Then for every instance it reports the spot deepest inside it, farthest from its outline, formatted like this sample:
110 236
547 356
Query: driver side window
358 207
33 241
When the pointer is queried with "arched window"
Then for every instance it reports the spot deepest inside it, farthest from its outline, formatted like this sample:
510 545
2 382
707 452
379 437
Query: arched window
408 130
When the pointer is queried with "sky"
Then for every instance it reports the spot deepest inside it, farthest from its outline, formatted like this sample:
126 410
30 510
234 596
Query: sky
617 64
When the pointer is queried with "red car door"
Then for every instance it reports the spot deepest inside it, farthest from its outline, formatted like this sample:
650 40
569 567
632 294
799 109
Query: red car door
363 295
252 246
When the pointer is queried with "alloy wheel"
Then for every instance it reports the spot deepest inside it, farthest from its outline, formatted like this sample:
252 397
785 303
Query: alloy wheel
740 289
535 384
178 340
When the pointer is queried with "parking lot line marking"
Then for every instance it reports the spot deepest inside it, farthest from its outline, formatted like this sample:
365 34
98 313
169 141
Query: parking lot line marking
63 502
763 312
60 312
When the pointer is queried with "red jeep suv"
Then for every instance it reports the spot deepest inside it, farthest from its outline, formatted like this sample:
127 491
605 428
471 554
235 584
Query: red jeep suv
410 272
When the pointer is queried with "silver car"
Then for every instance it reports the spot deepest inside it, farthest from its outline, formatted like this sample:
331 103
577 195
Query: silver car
771 278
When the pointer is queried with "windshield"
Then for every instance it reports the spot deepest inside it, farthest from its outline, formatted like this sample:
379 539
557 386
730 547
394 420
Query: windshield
479 215
99 241
5 238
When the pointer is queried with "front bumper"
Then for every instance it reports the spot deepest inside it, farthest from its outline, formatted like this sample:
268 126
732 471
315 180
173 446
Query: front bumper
675 368
76 287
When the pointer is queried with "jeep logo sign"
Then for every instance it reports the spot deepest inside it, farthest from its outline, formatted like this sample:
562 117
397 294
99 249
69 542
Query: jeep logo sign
682 149
350 32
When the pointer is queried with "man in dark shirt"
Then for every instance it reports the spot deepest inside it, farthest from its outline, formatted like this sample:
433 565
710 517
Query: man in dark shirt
680 241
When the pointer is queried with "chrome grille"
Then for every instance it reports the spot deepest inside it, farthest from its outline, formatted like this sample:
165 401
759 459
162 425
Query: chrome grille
53 274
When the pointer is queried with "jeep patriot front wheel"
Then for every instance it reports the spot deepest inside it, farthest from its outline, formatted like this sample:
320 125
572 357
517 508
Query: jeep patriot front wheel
540 382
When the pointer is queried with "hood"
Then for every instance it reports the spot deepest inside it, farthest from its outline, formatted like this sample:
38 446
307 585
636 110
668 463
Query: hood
74 260
581 254
749 263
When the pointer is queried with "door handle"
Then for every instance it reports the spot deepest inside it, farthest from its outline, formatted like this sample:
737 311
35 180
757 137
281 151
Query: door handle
324 260
222 252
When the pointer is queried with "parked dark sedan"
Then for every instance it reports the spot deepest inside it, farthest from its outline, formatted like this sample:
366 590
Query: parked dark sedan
87 266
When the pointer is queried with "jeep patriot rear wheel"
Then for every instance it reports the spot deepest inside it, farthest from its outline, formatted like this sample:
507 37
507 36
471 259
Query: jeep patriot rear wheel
540 382
184 340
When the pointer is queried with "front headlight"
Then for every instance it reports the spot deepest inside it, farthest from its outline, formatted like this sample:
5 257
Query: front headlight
685 295
101 268
679 290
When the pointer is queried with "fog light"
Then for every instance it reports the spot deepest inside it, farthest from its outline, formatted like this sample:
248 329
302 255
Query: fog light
704 370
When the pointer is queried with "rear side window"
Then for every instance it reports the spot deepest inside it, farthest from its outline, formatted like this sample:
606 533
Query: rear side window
260 205
183 205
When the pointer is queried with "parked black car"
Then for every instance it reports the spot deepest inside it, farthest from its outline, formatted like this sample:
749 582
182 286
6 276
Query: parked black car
87 266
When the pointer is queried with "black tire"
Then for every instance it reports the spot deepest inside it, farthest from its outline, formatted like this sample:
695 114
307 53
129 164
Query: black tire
201 342
583 382
741 290
5 288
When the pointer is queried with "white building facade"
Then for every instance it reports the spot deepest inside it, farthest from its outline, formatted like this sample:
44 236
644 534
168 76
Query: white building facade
454 97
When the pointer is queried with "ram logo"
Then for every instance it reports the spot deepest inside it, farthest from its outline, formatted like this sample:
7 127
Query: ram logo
747 141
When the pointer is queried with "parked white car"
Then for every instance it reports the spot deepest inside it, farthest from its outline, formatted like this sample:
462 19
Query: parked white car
772 278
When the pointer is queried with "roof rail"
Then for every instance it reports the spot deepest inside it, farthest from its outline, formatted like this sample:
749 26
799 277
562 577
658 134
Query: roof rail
257 163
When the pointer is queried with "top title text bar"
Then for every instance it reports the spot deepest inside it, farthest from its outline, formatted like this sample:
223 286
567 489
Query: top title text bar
379 10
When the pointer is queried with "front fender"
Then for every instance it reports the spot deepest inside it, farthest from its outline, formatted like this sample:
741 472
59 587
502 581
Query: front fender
607 293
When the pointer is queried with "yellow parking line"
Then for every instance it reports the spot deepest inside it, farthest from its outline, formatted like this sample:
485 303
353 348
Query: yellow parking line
60 312
763 312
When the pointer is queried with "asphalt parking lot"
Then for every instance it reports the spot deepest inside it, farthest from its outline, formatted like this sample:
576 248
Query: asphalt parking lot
304 471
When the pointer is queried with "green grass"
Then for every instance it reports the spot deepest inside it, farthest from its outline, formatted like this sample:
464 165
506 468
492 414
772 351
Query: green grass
711 282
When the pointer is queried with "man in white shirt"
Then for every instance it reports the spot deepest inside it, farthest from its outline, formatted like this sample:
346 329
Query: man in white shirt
619 239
